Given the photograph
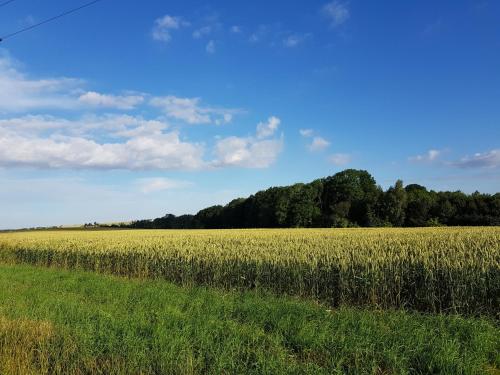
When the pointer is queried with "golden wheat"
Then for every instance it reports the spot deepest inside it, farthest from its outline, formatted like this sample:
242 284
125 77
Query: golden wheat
427 269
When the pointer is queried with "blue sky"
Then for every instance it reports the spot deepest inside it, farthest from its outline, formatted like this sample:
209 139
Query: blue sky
134 109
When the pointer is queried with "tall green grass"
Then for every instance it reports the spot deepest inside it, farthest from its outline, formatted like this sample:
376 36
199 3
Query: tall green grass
453 270
60 322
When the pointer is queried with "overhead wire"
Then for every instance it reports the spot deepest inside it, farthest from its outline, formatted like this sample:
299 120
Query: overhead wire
6 3
48 19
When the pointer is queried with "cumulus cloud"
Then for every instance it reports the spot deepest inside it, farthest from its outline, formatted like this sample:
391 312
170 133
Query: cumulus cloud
340 159
96 99
156 150
163 26
489 159
55 143
191 111
114 141
250 152
318 144
247 152
430 156
267 129
337 12
157 184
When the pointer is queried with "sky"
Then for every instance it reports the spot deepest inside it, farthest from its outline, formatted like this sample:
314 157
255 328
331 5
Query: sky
134 109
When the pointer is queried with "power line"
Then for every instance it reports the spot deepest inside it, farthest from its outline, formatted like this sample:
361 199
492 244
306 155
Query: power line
49 19
6 2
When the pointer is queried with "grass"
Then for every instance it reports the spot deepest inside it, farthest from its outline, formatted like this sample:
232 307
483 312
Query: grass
62 322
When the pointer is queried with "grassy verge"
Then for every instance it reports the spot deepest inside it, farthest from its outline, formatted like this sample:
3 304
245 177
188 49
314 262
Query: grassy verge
54 321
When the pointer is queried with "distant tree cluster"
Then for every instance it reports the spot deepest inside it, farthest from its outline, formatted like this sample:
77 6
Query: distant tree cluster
350 198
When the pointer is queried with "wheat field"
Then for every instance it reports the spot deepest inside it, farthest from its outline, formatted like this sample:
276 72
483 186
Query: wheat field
454 270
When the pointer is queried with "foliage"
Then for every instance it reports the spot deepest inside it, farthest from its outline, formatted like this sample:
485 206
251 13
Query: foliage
348 199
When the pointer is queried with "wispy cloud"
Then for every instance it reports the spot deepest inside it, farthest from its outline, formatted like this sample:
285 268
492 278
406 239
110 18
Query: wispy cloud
296 39
318 144
163 26
202 31
259 34
489 159
191 111
429 156
235 29
157 184
19 93
210 47
96 99
337 13
306 132
340 159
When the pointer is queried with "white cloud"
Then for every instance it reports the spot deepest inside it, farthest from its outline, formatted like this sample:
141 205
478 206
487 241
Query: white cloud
112 141
191 111
163 27
235 29
96 99
55 143
160 151
210 48
267 129
337 12
250 152
50 142
306 132
247 152
202 31
120 126
489 159
295 40
258 35
156 184
226 119
430 156
340 159
20 93
318 144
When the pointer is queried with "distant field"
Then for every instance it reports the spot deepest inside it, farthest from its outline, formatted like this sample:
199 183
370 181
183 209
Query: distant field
427 269
71 322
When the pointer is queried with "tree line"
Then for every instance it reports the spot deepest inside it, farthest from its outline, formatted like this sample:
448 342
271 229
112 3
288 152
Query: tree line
350 198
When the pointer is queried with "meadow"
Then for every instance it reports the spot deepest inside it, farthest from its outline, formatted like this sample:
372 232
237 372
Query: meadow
73 322
438 270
